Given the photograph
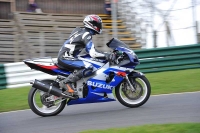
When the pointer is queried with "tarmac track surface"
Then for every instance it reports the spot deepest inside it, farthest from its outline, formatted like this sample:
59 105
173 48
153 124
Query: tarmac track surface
175 108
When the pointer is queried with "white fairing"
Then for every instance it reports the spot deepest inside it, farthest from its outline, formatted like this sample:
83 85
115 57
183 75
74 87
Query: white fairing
99 73
43 61
122 68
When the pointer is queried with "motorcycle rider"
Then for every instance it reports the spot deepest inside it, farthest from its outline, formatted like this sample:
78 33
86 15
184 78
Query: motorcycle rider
80 41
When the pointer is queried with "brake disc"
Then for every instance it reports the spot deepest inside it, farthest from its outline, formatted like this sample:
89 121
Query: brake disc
133 95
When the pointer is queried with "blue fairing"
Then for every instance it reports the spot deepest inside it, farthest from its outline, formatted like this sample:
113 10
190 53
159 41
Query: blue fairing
93 97
97 93
132 57
96 66
117 80
107 71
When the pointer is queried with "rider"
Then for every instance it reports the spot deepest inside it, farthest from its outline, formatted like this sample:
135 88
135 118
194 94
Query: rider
80 41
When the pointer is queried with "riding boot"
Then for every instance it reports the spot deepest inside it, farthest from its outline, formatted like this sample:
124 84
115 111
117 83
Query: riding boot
67 83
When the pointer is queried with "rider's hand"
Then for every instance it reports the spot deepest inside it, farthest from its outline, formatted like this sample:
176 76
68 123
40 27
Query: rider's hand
111 57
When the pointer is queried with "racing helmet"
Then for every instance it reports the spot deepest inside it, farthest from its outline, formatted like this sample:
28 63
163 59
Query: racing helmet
93 22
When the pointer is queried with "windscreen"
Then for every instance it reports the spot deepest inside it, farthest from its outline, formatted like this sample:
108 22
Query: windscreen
115 43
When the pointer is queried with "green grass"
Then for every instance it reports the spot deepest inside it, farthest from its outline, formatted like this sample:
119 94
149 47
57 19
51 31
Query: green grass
161 83
175 81
164 128
14 99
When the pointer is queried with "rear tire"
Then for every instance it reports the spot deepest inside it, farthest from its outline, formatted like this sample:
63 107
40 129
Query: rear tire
132 99
44 110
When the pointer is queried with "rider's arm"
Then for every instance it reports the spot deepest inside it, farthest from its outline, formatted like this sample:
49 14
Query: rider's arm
87 38
92 51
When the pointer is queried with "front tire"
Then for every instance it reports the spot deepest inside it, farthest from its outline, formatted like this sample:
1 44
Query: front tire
44 104
135 99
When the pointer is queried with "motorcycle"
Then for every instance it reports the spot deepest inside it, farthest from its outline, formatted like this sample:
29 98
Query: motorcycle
109 82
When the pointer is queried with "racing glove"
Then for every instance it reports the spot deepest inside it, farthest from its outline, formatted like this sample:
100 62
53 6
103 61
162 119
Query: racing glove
111 57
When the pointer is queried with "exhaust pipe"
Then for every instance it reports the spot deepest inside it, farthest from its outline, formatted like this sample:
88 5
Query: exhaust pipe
50 89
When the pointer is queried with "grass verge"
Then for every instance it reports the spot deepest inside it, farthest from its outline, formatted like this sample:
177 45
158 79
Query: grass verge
164 128
161 83
174 81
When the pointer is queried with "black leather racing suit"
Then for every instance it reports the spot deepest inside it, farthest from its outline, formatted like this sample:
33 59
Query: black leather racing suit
79 40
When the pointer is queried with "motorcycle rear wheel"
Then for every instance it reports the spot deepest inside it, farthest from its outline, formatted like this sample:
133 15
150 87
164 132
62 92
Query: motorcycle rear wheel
43 104
130 98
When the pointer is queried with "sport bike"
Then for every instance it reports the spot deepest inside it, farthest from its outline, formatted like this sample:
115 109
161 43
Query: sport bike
110 81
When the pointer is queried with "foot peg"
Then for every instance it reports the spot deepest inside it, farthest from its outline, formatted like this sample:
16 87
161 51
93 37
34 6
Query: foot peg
71 93
68 95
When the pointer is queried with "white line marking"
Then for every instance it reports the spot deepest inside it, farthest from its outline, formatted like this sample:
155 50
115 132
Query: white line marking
150 96
14 111
176 93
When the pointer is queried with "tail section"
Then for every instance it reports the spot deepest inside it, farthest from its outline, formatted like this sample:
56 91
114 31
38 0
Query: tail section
45 65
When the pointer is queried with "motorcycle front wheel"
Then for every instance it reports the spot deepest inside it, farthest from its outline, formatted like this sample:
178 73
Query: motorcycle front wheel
44 104
136 98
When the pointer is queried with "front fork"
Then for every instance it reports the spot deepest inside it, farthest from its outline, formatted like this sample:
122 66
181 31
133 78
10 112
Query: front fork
134 74
132 88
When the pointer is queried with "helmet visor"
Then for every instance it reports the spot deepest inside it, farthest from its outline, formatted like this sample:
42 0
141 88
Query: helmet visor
98 25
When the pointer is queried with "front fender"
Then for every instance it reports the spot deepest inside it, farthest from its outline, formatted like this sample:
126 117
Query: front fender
135 74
